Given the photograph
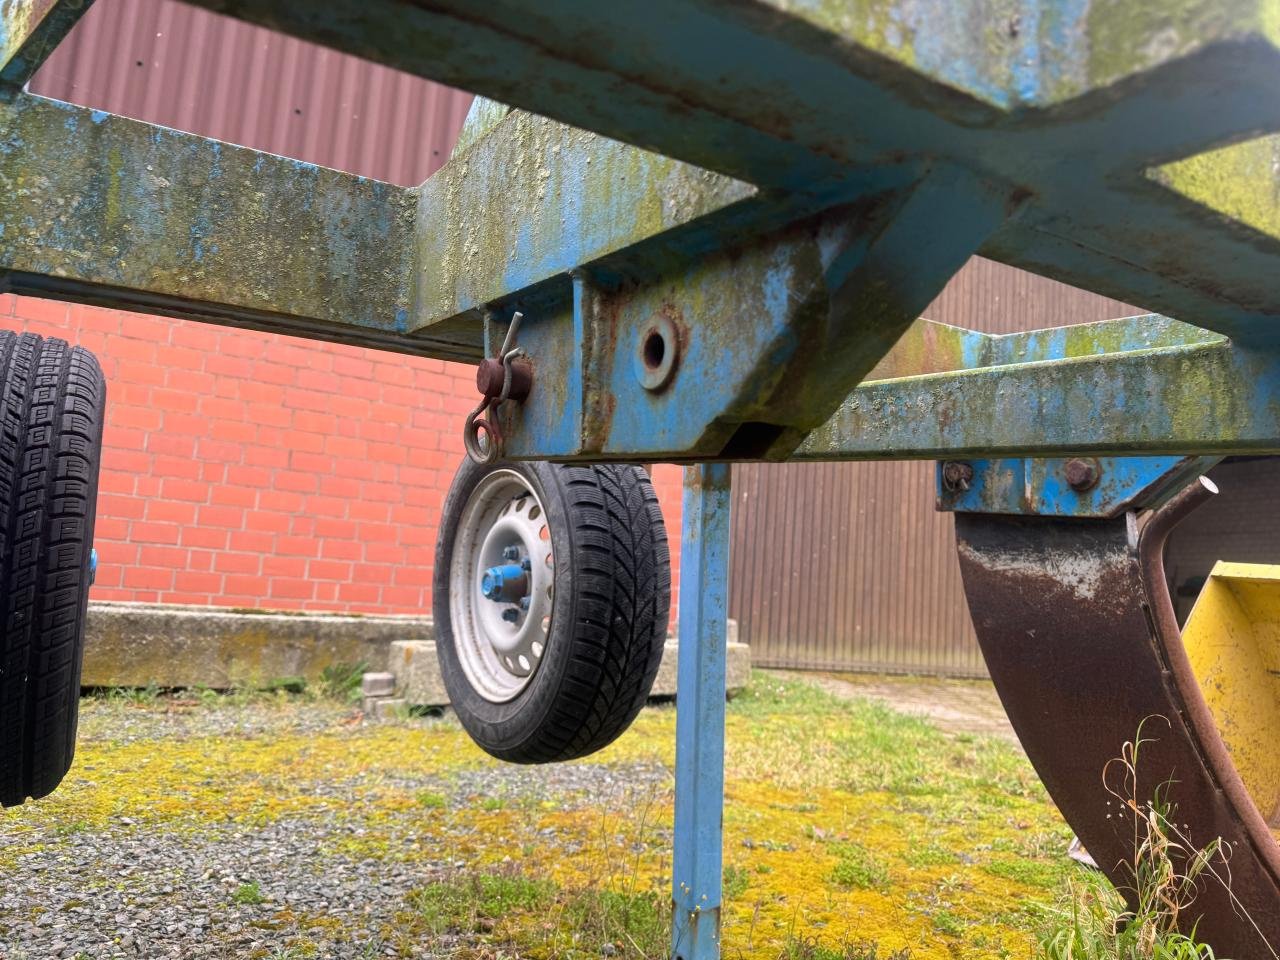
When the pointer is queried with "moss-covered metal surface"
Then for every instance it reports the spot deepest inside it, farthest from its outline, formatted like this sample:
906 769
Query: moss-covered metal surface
786 181
172 219
1144 385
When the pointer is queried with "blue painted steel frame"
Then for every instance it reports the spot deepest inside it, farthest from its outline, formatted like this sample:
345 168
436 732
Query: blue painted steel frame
1038 487
700 698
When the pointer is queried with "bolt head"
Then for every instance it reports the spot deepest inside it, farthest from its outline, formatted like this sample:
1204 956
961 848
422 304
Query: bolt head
511 614
956 475
511 553
1082 473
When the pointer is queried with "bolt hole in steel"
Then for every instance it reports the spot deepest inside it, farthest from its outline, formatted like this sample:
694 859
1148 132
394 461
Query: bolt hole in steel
502 593
657 353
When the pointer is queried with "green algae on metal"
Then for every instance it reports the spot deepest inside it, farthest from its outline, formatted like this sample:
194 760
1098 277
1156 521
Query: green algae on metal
1185 392
533 199
199 226
1238 182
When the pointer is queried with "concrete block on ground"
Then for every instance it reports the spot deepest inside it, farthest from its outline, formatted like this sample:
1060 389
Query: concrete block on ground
378 684
418 674
738 673
136 644
387 708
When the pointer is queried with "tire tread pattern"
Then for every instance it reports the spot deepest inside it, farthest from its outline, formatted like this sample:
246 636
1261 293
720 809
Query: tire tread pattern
609 625
51 417
624 595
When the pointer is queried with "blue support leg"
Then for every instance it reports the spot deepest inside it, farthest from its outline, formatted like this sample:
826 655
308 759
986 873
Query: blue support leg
700 697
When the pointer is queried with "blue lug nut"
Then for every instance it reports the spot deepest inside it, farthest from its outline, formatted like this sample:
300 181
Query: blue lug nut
504 584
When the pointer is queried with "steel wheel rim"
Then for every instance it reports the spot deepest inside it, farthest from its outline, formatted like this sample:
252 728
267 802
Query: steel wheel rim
500 655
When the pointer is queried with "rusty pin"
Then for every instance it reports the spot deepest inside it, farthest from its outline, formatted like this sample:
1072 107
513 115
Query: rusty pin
956 476
1082 473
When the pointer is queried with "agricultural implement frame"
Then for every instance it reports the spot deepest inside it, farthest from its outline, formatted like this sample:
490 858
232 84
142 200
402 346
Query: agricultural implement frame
720 222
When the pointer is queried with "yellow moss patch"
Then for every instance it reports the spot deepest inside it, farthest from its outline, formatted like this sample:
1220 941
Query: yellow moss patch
843 822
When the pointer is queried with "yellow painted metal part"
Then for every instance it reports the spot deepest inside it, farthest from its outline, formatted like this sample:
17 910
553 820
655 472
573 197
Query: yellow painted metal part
1233 641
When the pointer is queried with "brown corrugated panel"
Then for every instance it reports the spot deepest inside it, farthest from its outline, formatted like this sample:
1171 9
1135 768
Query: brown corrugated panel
181 66
847 566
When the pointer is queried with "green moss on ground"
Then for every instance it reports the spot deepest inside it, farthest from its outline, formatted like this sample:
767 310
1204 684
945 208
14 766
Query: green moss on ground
847 825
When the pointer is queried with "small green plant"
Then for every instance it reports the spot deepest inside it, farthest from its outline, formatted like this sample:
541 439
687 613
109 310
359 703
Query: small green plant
944 921
473 904
736 881
857 867
286 685
138 696
432 801
341 681
928 855
490 804
248 894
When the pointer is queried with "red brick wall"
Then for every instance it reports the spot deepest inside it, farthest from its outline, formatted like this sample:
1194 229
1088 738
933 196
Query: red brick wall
256 470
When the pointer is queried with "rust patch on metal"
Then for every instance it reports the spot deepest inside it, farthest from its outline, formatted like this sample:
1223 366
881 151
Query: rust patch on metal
1077 628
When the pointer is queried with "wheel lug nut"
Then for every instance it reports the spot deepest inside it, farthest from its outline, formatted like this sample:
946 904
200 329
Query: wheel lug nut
511 553
526 564
524 603
511 615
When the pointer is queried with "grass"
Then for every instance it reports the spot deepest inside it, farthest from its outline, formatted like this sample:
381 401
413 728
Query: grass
478 902
857 867
341 681
851 832
1095 922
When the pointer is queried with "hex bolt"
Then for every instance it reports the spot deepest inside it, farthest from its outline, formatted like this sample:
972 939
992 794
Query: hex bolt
526 564
524 603
956 476
511 614
511 553
1082 473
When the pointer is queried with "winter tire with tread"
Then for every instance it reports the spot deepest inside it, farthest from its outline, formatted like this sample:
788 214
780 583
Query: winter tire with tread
51 414
559 665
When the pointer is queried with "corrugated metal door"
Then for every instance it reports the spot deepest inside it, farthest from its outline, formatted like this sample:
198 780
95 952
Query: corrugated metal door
181 66
847 566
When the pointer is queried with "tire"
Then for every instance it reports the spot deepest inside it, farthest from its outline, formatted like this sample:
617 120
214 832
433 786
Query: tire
608 606
51 415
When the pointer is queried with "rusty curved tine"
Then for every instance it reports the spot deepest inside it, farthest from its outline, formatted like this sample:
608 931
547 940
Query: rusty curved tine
1075 621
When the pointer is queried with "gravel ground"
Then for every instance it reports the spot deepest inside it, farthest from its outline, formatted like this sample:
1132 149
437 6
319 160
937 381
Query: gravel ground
329 885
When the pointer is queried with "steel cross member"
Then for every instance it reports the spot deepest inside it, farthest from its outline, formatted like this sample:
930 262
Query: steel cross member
822 169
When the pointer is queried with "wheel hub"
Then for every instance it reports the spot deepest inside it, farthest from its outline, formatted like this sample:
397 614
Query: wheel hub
508 583
501 597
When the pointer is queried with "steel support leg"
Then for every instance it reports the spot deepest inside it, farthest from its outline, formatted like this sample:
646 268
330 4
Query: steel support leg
700 696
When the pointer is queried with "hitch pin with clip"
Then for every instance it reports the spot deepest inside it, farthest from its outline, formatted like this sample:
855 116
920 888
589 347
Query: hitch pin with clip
498 379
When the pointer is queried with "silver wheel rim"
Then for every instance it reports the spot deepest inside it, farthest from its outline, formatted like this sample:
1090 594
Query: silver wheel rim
500 643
